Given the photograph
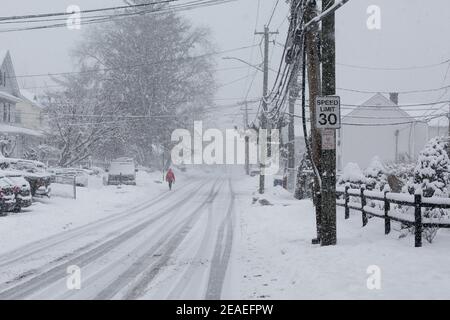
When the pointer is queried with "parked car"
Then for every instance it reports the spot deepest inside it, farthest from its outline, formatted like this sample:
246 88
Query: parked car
7 195
122 171
34 172
22 190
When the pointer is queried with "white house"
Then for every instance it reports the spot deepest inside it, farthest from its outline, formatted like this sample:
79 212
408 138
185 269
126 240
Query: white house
21 116
378 127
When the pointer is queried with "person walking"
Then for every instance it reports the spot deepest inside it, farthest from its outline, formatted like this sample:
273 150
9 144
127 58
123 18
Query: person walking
170 178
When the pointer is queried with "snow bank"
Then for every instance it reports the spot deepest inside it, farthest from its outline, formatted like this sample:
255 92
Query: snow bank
61 212
277 261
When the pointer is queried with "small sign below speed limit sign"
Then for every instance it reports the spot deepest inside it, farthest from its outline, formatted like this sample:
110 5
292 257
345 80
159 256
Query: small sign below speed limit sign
328 112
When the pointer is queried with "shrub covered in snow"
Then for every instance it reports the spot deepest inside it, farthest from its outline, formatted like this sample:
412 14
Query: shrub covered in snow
376 175
352 176
431 174
432 179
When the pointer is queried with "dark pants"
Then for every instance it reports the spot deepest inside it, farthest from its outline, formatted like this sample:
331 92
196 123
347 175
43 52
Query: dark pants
170 185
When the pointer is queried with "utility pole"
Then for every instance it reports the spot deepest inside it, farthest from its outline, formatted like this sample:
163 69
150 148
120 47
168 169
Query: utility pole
264 122
247 140
328 197
313 68
294 90
448 138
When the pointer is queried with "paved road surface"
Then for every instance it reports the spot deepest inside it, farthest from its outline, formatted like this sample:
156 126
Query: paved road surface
174 246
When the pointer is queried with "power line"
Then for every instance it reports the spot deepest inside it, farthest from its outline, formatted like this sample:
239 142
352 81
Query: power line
432 65
396 91
45 15
273 13
128 67
102 19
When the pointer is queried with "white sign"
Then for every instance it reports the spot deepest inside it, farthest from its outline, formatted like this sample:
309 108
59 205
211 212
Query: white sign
328 139
328 112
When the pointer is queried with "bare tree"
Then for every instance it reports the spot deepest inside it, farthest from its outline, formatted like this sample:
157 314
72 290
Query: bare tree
156 65
80 117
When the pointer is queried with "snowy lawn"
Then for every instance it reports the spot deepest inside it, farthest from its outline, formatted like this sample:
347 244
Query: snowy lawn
49 216
276 259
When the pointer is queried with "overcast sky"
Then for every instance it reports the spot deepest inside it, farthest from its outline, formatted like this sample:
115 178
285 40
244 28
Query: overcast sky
413 33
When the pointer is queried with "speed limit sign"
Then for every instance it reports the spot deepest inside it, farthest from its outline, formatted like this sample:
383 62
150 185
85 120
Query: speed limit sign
328 112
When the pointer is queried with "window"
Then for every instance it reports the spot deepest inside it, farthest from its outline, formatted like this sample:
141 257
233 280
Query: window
5 112
17 117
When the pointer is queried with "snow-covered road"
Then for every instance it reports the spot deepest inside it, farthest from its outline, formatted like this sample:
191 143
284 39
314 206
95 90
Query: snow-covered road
176 245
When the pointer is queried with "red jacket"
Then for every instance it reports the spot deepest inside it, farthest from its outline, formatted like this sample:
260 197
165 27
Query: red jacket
170 176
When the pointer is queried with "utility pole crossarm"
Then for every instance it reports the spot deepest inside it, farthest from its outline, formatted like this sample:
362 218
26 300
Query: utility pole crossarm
324 14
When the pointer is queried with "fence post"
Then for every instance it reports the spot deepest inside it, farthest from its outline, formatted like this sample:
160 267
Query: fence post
387 220
418 220
363 204
75 187
347 199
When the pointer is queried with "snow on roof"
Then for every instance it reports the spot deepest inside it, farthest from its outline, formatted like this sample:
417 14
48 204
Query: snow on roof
5 128
8 96
31 97
408 112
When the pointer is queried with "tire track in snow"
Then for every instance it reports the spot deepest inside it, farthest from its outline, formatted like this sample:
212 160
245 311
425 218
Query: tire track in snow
222 253
26 288
189 273
28 250
171 245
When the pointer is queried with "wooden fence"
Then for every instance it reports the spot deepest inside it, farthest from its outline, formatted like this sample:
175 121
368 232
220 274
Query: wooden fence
388 198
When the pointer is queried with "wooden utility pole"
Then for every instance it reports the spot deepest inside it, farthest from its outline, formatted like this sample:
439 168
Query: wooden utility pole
313 68
448 138
328 197
247 141
294 90
264 122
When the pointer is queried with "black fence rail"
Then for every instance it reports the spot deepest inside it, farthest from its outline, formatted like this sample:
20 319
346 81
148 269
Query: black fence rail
388 198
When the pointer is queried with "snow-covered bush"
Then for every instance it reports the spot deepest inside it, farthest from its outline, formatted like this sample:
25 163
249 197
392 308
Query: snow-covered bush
432 179
431 174
352 176
404 171
376 175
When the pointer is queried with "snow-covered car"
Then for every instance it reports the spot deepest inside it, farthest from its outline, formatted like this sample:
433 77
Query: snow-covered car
7 195
122 171
97 171
22 190
34 172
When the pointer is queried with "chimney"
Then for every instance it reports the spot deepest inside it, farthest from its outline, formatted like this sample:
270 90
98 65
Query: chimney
393 96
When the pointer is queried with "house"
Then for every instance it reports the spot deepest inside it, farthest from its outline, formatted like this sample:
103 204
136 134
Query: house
21 116
379 127
438 127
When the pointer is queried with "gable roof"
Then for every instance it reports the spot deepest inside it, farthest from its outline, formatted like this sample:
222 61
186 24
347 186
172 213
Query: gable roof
381 103
7 64
31 98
